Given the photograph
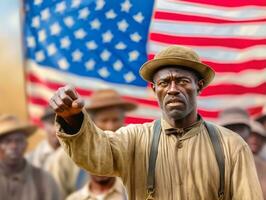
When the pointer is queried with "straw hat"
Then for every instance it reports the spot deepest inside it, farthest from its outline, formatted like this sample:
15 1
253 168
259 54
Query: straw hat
10 124
233 116
257 128
106 98
179 56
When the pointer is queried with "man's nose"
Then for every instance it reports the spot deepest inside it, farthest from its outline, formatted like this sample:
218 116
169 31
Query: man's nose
173 89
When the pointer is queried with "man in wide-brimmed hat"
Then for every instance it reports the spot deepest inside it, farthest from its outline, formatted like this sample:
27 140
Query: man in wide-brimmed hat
107 109
18 178
39 157
174 158
238 120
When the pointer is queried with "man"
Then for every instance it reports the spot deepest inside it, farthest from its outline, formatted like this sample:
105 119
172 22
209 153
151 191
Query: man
186 166
40 156
107 110
19 179
262 119
238 120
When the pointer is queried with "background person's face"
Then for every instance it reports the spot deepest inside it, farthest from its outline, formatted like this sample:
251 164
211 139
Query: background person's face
176 91
51 134
241 129
110 118
12 148
255 142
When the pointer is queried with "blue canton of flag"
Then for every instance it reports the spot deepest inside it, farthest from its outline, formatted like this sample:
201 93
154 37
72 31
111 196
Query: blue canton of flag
93 38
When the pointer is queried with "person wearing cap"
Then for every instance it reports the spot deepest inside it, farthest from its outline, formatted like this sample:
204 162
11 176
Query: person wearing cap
238 120
39 157
107 110
261 118
18 178
186 165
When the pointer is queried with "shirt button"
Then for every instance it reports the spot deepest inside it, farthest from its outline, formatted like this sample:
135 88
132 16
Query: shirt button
179 145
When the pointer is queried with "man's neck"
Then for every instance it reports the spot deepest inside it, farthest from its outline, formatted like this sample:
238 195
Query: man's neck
188 121
98 188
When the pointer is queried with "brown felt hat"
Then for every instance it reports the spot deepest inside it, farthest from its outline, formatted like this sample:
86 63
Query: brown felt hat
257 128
262 115
179 56
235 115
10 124
107 98
49 114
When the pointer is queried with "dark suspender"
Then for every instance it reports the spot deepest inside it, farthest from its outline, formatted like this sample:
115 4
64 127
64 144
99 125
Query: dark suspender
216 143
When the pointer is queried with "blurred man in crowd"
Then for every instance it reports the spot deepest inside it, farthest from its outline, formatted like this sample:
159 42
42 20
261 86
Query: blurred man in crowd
186 165
107 110
18 178
262 119
238 120
39 157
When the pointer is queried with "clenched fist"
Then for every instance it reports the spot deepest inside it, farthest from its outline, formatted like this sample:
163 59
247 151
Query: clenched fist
66 102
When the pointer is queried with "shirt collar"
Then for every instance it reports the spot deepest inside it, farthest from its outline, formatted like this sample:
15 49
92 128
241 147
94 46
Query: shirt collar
20 176
117 188
169 130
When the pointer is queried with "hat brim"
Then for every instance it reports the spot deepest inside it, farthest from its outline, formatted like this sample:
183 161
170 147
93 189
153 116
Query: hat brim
28 130
148 69
127 106
227 122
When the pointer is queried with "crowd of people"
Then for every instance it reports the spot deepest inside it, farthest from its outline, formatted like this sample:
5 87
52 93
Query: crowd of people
88 154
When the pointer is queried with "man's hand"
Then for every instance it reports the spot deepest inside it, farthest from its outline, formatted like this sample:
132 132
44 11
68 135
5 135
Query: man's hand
66 102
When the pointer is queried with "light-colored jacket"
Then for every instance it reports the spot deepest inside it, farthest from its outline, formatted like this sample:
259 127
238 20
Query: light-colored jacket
186 166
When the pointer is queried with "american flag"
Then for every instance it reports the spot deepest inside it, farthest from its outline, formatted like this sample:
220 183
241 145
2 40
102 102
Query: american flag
96 44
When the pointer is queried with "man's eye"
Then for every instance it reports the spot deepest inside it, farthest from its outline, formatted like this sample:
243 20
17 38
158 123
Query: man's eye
162 83
184 81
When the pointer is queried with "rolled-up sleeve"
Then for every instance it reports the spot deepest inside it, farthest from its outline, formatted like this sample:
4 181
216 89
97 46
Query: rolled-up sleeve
100 152
244 181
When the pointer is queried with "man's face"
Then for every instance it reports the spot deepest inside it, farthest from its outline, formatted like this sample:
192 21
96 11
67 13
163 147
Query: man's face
241 129
51 134
176 90
110 118
255 142
12 148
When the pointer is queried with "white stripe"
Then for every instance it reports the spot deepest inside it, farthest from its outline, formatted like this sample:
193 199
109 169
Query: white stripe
87 83
35 111
222 102
200 29
238 13
247 78
220 54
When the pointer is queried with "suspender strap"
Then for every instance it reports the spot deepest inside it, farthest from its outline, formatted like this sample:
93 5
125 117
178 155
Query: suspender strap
216 143
153 157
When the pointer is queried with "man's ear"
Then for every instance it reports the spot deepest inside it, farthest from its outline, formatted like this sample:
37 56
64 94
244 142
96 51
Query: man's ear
200 86
153 87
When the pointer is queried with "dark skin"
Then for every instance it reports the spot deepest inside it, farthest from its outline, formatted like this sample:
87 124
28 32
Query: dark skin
12 148
255 142
176 90
241 129
68 105
49 128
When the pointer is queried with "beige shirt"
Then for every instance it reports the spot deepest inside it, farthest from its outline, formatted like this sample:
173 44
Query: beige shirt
66 173
186 167
40 155
261 169
117 192
21 185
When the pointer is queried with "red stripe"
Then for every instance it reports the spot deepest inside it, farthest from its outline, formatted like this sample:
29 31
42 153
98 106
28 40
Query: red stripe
253 111
233 3
237 67
201 41
232 67
136 120
232 89
161 15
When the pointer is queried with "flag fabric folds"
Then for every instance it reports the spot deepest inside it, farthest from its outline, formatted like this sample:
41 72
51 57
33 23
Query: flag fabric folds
95 44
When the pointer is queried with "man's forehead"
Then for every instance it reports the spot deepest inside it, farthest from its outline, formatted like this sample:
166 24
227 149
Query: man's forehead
15 134
178 70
